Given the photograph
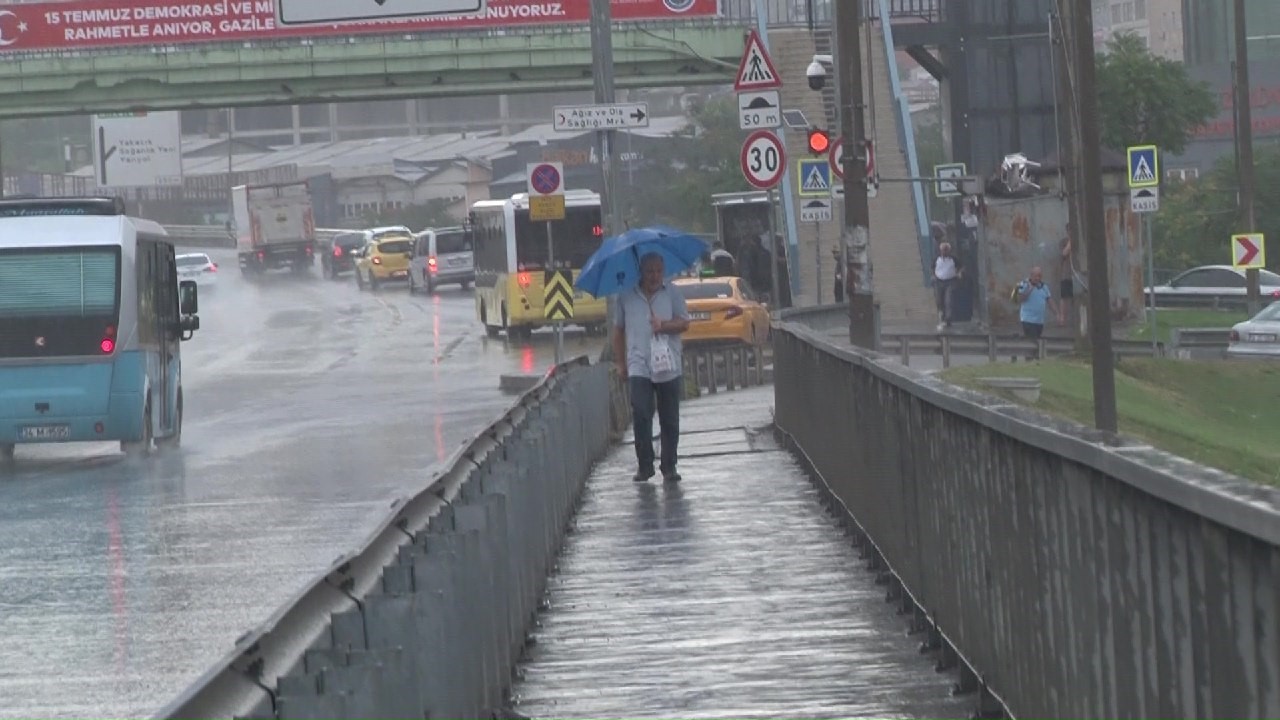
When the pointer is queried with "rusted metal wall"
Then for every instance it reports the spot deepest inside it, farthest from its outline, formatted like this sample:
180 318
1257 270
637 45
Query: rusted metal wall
1076 578
1022 233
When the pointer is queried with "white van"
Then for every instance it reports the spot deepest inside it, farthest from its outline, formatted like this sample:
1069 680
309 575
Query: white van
442 256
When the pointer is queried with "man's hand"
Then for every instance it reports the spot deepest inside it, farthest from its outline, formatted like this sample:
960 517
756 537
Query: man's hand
657 325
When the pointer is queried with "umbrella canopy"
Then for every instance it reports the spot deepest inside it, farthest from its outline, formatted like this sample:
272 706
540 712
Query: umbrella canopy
615 267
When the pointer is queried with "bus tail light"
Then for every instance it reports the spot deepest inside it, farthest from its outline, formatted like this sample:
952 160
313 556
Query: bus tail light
431 263
732 312
108 346
524 279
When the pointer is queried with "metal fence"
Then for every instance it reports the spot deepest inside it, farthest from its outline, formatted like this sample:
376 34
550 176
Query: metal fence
428 618
1075 574
712 368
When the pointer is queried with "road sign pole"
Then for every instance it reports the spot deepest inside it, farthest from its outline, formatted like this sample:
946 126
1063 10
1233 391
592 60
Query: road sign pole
1244 152
1145 226
817 251
773 254
551 264
602 73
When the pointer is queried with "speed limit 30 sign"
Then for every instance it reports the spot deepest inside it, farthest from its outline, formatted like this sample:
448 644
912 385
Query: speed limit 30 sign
763 159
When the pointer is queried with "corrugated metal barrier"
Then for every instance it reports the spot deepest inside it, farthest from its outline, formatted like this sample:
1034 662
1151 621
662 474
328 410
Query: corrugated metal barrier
428 618
1072 573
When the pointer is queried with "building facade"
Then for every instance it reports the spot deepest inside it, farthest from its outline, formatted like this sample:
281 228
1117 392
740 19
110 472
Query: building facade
1158 22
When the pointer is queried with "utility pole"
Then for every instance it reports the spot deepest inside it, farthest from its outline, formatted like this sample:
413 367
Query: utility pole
1089 192
855 235
602 74
1244 147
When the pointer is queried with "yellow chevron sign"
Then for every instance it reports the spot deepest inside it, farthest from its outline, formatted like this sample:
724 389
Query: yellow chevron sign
557 295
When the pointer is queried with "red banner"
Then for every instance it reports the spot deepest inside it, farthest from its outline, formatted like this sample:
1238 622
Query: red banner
115 23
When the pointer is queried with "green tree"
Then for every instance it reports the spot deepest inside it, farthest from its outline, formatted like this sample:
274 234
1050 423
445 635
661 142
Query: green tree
1144 99
931 150
1197 217
700 161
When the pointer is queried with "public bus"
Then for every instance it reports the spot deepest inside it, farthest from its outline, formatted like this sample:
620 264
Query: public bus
511 259
91 319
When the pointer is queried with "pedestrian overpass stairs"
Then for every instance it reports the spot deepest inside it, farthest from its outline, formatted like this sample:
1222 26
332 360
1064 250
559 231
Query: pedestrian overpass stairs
898 222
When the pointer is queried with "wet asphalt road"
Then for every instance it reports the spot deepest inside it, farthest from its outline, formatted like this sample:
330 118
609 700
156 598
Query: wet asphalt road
310 407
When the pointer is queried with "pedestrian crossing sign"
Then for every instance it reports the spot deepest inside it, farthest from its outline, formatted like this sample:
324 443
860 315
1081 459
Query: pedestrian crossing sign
1144 166
814 178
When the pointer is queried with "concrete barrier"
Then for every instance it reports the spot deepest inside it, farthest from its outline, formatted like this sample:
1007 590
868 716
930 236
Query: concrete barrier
429 616
1074 574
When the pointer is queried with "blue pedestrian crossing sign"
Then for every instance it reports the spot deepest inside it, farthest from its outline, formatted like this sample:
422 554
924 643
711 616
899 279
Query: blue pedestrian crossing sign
1144 166
814 178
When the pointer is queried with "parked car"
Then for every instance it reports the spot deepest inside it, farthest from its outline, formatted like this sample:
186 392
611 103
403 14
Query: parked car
383 259
1257 337
723 310
1213 286
199 267
338 255
442 256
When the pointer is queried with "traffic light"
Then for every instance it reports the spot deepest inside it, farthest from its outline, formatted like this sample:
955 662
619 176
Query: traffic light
819 141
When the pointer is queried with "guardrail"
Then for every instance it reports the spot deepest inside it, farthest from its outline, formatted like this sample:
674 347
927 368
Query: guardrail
711 368
994 346
1072 573
1200 342
429 615
213 236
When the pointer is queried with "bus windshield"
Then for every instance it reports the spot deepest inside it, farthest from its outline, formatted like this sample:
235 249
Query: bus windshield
57 302
576 237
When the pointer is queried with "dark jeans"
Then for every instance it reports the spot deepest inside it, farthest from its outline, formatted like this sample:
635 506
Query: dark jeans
644 392
944 290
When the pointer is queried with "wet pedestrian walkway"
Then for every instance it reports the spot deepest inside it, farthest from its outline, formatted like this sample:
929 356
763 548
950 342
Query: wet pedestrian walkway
732 594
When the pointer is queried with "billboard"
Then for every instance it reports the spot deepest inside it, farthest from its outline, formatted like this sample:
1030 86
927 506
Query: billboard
81 24
137 149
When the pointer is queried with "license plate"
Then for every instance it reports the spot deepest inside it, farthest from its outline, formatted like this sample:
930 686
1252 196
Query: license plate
1259 338
457 261
400 273
46 432
700 315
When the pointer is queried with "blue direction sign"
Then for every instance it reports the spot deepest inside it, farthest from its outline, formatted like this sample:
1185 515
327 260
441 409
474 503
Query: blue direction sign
1144 166
814 178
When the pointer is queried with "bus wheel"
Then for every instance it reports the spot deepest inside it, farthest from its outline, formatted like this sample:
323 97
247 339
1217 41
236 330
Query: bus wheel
174 441
143 446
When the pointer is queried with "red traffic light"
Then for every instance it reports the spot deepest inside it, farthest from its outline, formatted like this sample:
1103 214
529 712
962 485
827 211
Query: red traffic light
819 141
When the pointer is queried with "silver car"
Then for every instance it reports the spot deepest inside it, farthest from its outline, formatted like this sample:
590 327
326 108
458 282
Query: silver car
1213 286
1257 337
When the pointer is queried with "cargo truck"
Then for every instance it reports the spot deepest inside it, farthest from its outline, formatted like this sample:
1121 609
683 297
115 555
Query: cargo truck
275 227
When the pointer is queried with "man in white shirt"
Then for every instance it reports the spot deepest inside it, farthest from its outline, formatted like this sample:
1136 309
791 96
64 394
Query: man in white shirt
652 314
946 270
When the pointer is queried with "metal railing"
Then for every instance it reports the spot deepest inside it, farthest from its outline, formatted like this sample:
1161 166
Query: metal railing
713 368
1071 573
428 617
1200 342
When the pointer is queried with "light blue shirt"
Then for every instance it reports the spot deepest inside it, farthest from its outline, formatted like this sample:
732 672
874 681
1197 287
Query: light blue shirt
632 314
1033 308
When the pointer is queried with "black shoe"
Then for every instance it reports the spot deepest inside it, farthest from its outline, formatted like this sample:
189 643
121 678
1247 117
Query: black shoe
642 475
670 476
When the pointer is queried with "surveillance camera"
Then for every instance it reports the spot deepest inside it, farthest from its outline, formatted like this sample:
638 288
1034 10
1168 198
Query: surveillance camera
817 75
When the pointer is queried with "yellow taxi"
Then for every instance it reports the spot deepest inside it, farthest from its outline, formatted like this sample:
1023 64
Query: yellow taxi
384 258
722 310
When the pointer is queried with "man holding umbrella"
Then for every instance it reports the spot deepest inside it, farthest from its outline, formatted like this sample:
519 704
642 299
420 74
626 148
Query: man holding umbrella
649 317
646 345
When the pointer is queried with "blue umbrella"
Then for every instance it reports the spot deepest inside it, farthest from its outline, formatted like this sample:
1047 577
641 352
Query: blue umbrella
615 267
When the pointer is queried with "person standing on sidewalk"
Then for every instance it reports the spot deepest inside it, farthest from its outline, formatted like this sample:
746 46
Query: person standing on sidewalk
946 269
646 345
1036 301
